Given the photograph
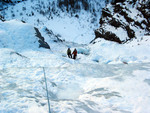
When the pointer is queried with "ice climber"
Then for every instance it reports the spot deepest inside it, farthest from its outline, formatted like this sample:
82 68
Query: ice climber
74 54
69 53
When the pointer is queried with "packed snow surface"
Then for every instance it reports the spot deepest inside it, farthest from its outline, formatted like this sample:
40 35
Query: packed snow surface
17 35
106 77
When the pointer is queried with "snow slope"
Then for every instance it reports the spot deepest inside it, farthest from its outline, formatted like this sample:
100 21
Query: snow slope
106 77
18 36
72 88
70 26
103 51
98 81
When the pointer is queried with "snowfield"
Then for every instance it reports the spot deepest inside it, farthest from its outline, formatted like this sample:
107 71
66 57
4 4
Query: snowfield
78 27
106 77
113 88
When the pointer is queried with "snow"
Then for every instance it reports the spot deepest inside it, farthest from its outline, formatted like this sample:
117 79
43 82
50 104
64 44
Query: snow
106 77
120 32
109 91
110 52
69 27
98 81
73 32
17 35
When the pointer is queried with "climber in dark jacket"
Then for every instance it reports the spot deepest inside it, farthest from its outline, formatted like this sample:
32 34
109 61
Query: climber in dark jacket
69 53
74 54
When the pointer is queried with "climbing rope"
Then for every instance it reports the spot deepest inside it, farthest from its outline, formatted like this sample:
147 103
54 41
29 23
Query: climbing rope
46 89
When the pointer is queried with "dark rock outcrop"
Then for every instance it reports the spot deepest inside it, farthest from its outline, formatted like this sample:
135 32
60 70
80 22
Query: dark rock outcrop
132 17
107 35
41 39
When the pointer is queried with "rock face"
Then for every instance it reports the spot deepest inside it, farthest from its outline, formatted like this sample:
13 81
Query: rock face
124 20
41 39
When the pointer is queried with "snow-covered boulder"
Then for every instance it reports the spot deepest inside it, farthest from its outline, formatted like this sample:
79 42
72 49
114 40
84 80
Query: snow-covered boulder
20 36
124 20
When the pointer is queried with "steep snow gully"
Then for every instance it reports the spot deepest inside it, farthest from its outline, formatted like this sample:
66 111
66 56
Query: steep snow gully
106 77
98 82
77 88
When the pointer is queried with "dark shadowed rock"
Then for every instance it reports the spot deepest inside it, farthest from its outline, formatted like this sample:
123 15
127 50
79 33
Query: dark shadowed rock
130 32
115 22
122 18
117 1
106 13
107 35
41 39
